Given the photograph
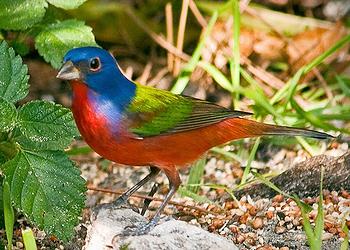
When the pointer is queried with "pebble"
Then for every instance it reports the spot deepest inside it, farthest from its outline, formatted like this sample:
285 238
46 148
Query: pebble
280 229
257 223
19 245
278 198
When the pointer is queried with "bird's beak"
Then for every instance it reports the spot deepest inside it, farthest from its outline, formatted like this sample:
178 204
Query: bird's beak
68 72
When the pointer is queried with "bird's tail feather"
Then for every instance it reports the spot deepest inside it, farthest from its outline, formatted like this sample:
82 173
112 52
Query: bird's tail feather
257 129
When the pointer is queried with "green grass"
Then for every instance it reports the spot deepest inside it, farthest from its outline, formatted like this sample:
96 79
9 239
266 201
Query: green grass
28 239
187 70
8 214
235 61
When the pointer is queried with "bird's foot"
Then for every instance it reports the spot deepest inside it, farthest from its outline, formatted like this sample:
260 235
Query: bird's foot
120 202
139 230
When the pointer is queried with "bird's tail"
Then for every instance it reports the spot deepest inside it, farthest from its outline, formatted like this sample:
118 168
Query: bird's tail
253 128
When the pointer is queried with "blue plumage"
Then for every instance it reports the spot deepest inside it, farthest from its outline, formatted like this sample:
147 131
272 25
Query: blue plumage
109 82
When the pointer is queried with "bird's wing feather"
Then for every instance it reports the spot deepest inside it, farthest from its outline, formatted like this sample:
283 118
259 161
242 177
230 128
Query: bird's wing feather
156 112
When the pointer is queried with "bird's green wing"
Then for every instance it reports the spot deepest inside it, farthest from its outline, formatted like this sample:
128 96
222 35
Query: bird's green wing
154 112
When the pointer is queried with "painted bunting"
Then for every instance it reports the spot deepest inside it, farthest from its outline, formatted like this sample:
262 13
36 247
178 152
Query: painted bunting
136 125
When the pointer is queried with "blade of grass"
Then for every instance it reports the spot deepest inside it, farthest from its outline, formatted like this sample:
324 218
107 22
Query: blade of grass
293 85
319 222
271 185
185 73
196 175
28 239
8 214
307 146
315 120
235 63
183 191
343 85
257 94
307 68
227 154
250 159
219 77
306 224
327 53
345 244
79 151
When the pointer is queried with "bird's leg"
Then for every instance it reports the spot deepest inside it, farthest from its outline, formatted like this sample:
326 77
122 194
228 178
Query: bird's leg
125 196
174 183
146 202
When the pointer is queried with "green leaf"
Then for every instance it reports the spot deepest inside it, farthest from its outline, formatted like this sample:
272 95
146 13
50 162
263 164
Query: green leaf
9 214
2 219
45 125
64 4
48 189
21 14
56 39
8 115
13 75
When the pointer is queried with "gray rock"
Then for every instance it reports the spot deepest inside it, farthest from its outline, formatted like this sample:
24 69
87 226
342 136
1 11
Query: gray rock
107 222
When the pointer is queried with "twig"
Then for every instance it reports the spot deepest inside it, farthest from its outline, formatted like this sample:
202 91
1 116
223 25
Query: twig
157 38
169 33
151 198
145 74
181 34
201 20
161 73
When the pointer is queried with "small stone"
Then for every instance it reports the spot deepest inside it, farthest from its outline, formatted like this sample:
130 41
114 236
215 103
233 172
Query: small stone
19 244
243 219
252 211
240 239
265 247
234 229
280 230
257 223
345 194
332 230
217 223
269 215
296 222
278 198
251 241
327 236
230 204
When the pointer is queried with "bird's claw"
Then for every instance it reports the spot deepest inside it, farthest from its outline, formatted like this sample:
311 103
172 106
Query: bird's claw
120 203
139 230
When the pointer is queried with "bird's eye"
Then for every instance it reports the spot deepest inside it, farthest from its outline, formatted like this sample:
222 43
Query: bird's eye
95 64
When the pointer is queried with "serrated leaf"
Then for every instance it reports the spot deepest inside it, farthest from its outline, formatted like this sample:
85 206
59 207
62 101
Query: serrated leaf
45 125
13 75
21 14
8 115
56 39
48 189
64 4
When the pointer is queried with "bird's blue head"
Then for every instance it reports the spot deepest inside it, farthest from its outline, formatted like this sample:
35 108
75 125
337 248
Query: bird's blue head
96 68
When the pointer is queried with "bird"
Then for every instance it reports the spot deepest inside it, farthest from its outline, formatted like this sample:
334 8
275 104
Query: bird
136 125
